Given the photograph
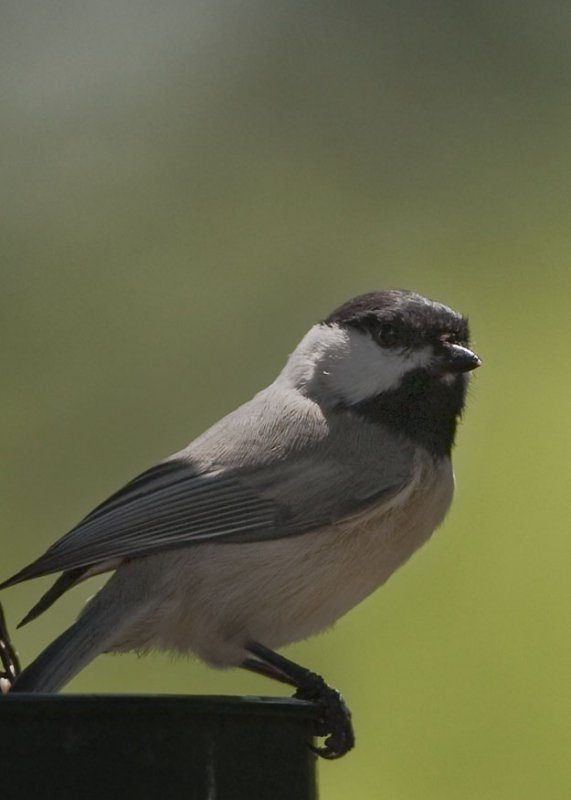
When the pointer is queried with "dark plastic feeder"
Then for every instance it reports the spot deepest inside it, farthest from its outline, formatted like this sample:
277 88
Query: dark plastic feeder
164 746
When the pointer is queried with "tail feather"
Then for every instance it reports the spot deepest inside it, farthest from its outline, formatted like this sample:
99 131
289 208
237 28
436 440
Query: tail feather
63 583
60 661
102 622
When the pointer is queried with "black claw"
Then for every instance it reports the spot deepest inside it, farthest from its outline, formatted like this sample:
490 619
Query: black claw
335 721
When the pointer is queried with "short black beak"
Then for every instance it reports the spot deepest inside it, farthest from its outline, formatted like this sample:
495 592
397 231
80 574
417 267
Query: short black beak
459 359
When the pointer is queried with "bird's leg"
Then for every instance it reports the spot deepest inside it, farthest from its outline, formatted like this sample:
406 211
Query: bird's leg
261 668
335 720
8 657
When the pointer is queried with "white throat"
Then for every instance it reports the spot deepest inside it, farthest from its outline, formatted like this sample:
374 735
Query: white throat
333 364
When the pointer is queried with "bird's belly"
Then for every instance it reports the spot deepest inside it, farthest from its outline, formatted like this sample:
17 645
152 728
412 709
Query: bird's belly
283 590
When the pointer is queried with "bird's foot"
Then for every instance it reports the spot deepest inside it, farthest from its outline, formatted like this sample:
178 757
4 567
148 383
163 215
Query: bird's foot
335 720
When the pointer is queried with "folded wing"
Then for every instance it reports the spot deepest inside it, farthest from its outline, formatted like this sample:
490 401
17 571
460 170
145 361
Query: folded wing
343 469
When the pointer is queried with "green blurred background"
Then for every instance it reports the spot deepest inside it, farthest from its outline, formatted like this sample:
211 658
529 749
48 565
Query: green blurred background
190 185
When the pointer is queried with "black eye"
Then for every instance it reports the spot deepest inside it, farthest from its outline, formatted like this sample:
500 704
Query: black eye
388 335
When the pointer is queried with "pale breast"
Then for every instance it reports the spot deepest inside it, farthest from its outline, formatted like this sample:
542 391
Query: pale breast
284 590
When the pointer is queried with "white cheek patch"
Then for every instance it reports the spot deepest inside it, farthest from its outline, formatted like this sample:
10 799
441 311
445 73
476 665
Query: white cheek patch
333 363
368 369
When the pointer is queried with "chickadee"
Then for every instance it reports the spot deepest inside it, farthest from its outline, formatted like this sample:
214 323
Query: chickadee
284 514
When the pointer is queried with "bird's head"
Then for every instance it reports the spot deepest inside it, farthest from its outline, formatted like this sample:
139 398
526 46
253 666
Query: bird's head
394 357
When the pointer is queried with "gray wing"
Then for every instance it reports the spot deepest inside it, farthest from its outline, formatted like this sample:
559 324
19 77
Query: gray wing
266 482
166 507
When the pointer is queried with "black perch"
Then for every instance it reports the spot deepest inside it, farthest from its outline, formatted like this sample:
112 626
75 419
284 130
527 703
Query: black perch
167 747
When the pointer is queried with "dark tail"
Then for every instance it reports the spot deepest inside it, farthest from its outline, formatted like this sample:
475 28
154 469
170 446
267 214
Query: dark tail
103 621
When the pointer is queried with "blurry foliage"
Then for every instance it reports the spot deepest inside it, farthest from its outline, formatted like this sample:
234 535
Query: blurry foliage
188 187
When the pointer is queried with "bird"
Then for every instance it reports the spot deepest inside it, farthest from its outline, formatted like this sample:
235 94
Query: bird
283 515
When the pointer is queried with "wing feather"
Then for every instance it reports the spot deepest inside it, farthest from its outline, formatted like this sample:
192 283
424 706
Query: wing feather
177 506
342 467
